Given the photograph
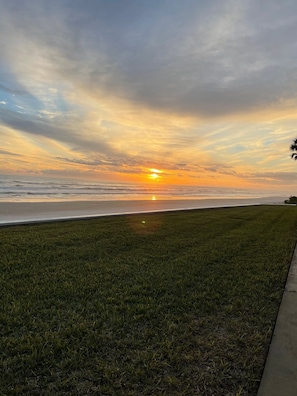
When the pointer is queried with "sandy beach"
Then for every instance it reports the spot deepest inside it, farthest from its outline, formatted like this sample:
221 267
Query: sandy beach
28 212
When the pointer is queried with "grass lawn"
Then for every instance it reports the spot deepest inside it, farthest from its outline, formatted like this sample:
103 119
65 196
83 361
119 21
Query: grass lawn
179 303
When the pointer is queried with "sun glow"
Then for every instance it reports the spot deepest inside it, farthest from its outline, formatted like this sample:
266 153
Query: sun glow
155 174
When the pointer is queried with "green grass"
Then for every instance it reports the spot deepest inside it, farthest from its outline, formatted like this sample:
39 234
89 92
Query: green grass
180 303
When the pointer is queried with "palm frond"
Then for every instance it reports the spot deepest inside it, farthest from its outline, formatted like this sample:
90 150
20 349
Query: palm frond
293 147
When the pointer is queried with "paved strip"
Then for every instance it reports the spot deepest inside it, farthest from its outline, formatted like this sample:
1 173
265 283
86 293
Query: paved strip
280 372
17 213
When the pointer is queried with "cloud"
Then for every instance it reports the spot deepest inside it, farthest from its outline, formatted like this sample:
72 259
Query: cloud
44 128
201 59
83 161
272 177
129 164
14 91
10 153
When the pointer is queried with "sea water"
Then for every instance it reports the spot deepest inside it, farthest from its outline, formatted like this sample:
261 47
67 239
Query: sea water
34 189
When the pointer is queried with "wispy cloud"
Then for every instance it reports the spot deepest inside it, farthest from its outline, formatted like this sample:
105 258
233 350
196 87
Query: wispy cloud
9 153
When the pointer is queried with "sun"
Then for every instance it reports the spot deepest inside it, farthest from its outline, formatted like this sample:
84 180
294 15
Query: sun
155 174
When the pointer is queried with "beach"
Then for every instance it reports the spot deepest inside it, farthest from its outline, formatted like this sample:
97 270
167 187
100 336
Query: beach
30 212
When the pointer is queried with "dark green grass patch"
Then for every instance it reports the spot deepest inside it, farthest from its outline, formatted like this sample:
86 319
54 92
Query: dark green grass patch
179 303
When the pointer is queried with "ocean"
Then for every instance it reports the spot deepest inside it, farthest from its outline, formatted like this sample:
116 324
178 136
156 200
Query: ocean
38 189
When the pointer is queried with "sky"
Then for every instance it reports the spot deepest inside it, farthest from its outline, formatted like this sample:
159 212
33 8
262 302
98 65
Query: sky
193 92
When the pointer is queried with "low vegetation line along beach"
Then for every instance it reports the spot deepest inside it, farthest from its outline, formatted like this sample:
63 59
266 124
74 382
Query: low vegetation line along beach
179 303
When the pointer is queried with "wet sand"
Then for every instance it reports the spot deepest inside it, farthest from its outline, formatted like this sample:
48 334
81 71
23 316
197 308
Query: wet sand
28 212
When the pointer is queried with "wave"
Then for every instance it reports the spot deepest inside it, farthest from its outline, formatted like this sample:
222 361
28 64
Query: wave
52 190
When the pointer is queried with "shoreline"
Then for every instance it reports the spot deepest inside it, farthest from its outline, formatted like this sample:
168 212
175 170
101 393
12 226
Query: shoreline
14 213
